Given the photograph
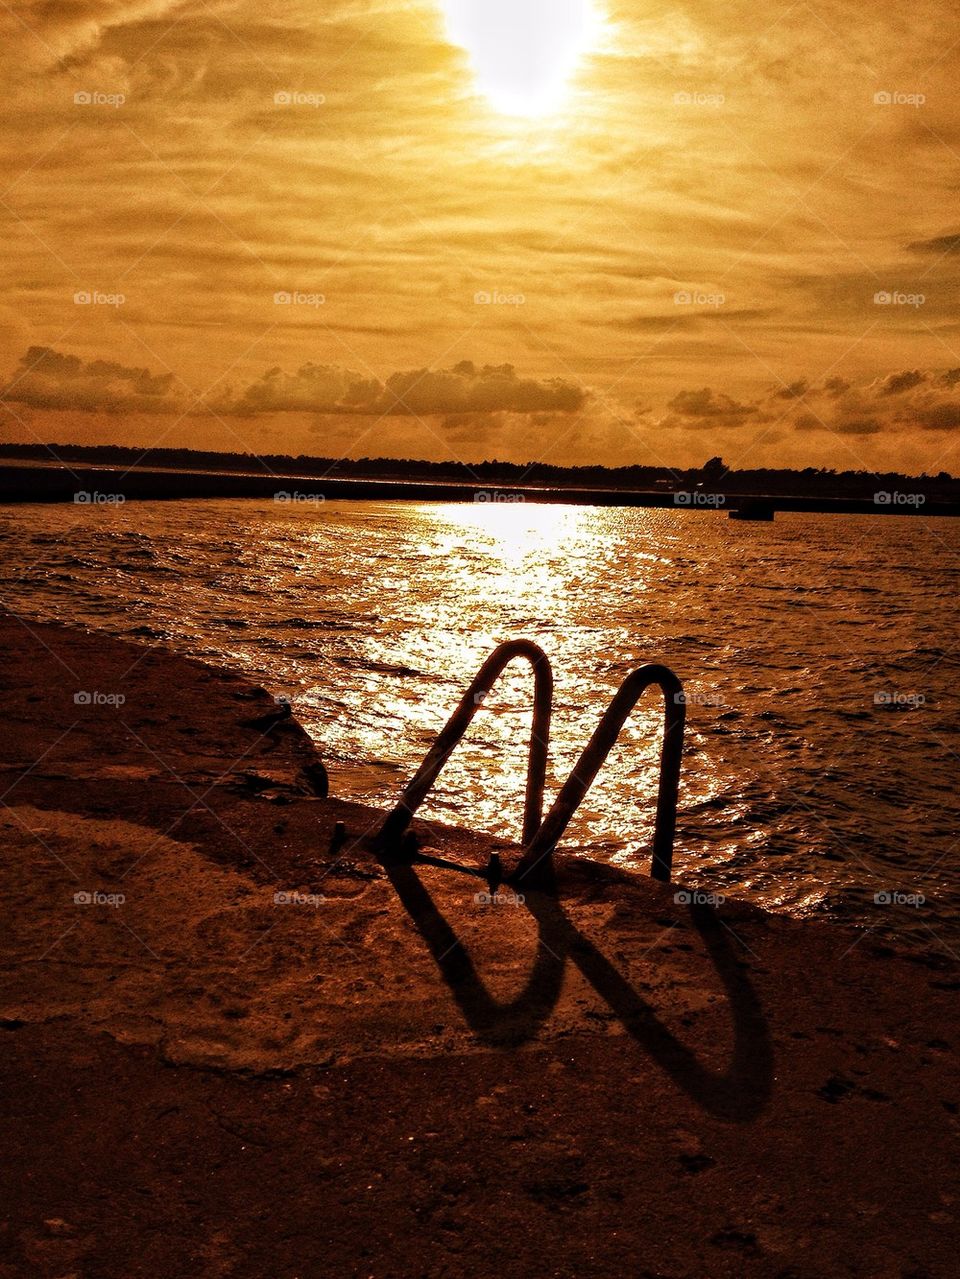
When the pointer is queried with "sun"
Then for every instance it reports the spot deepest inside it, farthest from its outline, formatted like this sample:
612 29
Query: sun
523 52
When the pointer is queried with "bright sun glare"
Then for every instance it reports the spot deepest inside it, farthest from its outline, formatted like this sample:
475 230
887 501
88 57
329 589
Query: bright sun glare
523 51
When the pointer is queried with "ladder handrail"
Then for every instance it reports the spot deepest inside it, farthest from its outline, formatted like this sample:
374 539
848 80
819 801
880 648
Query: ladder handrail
450 736
538 851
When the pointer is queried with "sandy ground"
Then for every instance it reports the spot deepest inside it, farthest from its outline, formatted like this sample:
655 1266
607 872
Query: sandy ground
231 1051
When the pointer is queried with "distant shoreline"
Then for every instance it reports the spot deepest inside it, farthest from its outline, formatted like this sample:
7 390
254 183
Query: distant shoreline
30 482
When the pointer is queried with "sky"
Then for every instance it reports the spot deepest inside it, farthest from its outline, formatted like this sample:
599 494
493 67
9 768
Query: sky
572 231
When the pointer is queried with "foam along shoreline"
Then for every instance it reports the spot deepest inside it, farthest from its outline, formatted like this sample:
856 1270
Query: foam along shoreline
232 1051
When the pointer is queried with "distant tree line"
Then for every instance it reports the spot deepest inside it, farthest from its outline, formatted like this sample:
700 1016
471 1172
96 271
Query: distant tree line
714 475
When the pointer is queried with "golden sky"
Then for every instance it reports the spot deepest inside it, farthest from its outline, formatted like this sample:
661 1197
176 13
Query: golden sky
621 232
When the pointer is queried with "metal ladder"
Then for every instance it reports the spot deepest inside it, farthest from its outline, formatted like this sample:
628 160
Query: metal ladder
451 735
540 838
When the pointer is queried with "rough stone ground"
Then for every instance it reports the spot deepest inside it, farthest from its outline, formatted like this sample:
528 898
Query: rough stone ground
373 1074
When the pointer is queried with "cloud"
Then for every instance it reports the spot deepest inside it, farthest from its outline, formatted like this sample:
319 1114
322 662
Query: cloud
836 386
49 34
464 388
481 409
46 379
808 422
705 408
897 383
794 391
682 317
940 417
858 426
467 389
897 405
314 388
939 244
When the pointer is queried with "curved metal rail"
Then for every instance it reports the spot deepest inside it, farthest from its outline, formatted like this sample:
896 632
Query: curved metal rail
401 816
538 852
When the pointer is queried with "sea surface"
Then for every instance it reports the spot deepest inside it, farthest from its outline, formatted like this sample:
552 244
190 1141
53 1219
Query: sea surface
819 656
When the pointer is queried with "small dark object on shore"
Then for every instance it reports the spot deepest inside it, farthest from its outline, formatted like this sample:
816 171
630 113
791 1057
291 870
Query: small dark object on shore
494 872
751 509
316 775
408 847
273 719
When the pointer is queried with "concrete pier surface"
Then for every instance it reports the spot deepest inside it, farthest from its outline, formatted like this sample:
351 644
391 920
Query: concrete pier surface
237 1045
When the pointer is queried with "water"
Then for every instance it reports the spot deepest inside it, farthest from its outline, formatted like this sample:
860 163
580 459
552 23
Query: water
817 653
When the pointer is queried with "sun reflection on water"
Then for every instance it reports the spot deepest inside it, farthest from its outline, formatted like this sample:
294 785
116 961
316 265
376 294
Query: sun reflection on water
373 617
516 531
487 573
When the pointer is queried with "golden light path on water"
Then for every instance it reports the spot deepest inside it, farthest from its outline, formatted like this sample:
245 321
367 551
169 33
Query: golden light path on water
800 788
535 569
